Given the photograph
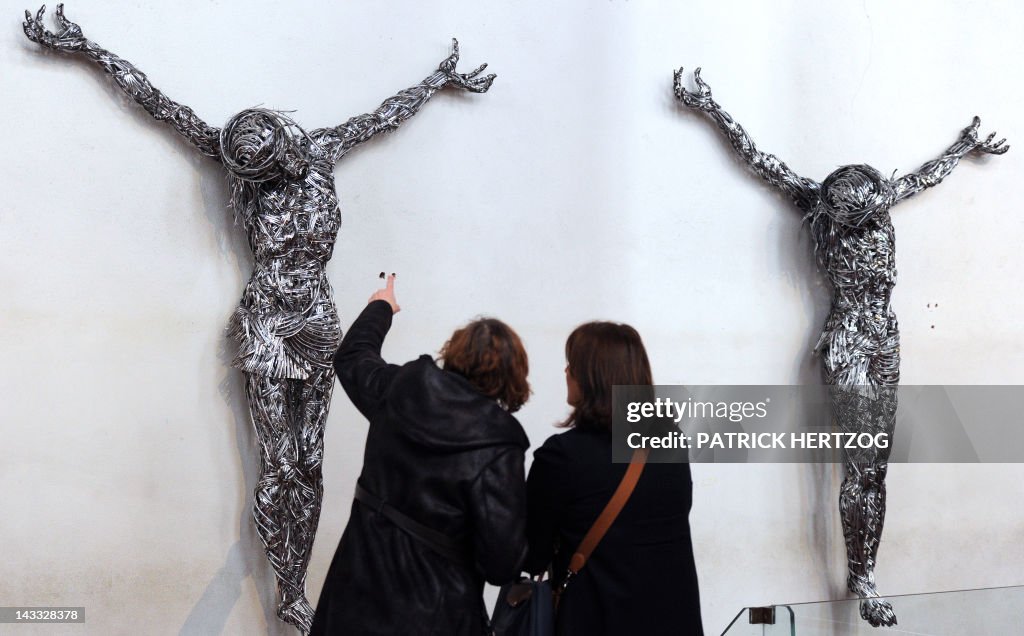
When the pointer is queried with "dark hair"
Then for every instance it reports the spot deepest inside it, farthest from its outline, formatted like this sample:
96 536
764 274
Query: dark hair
489 354
600 355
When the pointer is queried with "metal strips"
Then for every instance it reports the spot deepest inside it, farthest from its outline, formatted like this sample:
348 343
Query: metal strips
286 325
855 244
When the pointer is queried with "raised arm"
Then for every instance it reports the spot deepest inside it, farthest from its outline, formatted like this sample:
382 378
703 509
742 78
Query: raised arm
803 191
361 370
131 80
395 110
933 172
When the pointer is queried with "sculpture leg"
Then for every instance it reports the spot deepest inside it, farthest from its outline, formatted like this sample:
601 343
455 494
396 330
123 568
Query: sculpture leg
862 507
316 401
862 496
287 496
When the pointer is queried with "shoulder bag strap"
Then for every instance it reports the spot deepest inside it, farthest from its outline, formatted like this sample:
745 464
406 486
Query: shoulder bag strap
608 515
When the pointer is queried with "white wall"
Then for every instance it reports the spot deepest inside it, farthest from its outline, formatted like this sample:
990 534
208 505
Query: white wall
574 190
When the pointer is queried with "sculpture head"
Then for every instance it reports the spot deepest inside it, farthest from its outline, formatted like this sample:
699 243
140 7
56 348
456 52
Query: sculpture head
852 195
259 144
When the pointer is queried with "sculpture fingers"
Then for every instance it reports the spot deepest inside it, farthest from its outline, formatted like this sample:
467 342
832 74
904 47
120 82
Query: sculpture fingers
971 132
996 148
703 87
448 65
33 25
701 98
480 84
61 20
68 28
42 34
30 27
677 83
475 71
69 39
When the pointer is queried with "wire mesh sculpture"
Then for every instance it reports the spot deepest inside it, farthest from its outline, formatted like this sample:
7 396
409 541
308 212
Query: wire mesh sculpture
282 190
854 243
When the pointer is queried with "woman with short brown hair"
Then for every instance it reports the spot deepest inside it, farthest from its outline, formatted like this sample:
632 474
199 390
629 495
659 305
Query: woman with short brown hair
441 501
641 577
490 355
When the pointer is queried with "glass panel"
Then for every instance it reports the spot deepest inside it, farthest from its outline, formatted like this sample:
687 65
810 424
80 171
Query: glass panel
740 626
984 611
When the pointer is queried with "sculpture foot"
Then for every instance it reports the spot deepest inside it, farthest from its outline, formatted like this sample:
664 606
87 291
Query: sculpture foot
875 610
878 612
297 612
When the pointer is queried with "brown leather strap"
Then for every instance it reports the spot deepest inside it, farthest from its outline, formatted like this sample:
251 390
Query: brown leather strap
610 512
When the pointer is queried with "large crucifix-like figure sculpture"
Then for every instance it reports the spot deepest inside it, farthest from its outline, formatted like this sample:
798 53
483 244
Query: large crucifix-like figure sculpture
855 244
282 189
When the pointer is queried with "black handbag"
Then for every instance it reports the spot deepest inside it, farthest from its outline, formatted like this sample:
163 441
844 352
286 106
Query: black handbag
524 608
527 607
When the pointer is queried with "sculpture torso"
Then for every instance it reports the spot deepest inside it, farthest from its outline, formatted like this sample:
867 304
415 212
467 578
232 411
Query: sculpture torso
286 322
860 262
861 330
293 220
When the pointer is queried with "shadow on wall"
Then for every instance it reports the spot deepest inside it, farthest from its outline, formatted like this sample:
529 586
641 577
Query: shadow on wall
245 557
820 482
797 264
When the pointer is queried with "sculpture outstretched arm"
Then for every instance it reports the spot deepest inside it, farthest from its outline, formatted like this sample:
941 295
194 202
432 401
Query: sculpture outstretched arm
132 81
395 110
803 191
933 172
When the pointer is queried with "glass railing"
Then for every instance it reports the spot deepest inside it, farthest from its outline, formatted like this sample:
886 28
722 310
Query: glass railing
991 611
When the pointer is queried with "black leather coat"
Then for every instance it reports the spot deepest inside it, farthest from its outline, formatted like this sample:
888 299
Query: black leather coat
444 455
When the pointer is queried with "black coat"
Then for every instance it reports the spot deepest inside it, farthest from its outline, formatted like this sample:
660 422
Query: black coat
444 455
641 578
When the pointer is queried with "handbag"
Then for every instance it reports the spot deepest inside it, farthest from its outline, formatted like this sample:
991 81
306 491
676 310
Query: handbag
524 608
527 607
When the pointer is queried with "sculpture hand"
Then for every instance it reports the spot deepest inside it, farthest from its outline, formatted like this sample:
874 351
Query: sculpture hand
69 38
700 99
465 81
970 136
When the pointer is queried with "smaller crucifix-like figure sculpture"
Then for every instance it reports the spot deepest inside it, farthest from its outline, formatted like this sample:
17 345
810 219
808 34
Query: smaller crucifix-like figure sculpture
855 244
282 189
